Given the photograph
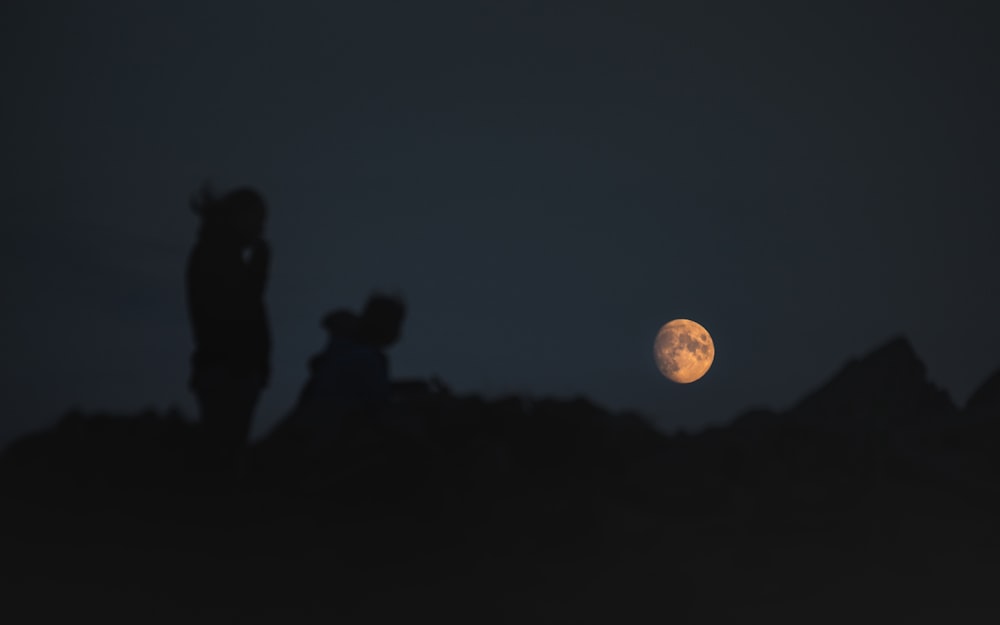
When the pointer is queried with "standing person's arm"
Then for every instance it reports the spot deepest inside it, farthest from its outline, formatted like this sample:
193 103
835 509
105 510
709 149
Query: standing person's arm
257 270
259 263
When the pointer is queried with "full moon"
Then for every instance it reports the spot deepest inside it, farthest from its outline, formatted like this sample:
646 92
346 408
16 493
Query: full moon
683 351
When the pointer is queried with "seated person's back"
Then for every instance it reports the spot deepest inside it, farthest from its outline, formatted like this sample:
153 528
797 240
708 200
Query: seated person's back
349 382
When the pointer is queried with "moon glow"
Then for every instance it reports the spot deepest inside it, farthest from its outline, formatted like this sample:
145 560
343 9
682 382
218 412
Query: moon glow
683 351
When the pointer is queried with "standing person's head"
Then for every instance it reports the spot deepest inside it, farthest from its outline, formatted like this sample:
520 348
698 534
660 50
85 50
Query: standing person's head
238 216
382 320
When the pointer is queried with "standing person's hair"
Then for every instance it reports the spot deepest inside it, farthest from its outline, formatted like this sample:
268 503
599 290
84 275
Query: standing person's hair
222 213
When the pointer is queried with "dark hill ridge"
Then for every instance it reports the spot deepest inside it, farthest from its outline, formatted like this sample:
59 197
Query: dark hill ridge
984 404
885 389
469 439
526 511
877 413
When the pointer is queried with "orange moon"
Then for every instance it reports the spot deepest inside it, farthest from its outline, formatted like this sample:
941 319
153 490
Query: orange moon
683 351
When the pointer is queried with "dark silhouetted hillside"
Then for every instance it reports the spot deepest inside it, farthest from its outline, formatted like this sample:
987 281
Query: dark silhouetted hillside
871 496
886 389
984 404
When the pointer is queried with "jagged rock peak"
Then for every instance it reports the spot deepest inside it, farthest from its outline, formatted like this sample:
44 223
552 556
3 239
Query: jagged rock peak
897 351
888 387
985 401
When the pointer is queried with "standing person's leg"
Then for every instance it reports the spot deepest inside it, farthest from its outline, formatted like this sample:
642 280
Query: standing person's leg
212 407
243 397
226 402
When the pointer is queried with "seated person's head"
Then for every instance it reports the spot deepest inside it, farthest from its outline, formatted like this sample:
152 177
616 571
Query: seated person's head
382 321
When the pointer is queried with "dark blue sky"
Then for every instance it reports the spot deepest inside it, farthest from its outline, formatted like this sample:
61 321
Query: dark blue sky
545 185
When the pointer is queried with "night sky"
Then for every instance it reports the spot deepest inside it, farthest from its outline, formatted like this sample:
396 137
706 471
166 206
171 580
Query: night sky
545 183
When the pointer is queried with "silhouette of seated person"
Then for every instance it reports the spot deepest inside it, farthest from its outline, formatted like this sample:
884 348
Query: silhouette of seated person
349 391
226 278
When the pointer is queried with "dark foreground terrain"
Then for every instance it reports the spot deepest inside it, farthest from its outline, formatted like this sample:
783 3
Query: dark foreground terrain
872 500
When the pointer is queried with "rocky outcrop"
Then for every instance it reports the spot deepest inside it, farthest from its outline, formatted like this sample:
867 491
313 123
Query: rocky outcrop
886 389
984 405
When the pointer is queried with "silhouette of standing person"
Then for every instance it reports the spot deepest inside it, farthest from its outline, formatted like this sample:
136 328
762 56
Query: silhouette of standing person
226 277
